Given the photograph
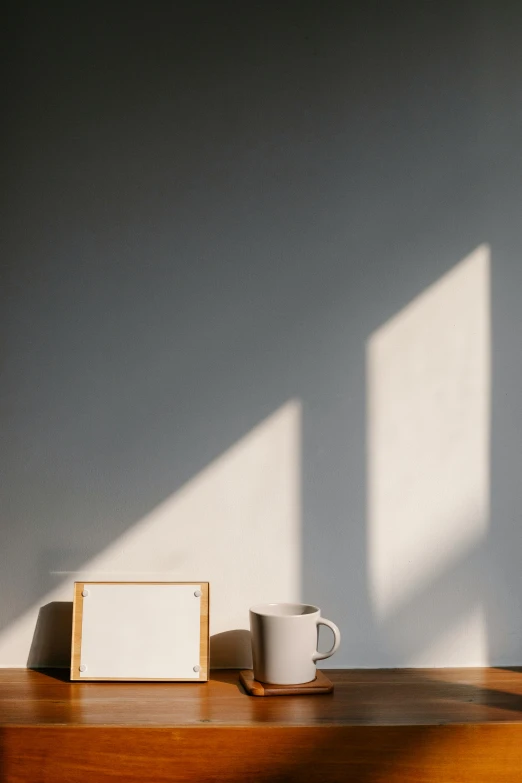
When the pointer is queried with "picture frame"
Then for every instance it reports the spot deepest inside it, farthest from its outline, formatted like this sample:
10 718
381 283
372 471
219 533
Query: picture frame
155 631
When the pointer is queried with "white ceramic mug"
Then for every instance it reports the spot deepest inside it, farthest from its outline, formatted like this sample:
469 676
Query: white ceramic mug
284 642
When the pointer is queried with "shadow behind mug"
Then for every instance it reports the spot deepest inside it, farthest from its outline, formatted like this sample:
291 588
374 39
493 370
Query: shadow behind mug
284 642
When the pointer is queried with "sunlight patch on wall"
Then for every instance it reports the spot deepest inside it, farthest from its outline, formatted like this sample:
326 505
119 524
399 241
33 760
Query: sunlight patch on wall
237 524
428 441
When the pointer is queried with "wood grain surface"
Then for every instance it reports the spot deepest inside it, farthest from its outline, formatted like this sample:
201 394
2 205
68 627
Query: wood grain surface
412 726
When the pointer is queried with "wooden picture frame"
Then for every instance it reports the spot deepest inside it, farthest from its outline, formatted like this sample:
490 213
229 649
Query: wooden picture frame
167 635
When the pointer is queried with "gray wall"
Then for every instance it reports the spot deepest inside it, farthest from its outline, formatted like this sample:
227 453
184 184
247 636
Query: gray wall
209 207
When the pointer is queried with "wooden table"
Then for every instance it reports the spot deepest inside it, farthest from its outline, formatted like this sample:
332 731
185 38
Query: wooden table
391 726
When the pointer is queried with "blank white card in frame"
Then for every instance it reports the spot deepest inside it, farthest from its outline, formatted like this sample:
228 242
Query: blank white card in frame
140 631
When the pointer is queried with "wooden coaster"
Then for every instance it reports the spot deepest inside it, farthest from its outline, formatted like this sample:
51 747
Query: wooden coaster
321 684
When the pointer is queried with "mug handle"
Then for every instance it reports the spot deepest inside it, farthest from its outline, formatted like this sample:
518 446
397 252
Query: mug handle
318 656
